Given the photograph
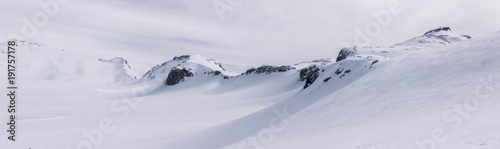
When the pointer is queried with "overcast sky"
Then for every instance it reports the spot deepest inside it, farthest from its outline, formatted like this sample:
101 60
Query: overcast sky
253 33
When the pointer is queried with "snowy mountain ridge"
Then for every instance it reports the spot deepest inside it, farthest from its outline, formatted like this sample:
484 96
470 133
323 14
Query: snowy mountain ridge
181 67
386 97
184 67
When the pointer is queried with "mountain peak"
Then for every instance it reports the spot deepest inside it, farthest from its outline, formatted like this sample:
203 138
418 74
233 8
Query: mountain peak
436 37
185 66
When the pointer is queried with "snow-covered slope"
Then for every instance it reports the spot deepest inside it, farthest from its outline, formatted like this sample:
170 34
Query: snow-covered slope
381 97
407 96
446 97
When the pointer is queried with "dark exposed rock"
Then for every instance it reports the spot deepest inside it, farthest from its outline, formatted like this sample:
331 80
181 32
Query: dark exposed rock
346 52
438 30
339 70
268 69
215 73
309 75
182 57
374 62
438 36
180 61
467 36
303 74
177 75
345 72
326 80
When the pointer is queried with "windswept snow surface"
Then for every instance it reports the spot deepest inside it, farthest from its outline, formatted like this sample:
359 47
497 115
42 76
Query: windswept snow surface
397 97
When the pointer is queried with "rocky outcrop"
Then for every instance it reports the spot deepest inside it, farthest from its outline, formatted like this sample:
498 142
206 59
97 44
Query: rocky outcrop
269 69
182 57
438 30
346 52
177 75
327 79
217 73
467 36
170 72
309 75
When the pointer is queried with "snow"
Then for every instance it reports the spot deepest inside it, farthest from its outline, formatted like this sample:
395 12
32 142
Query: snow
44 62
381 98
319 62
435 37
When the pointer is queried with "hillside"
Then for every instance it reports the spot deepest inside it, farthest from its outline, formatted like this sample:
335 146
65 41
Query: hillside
438 90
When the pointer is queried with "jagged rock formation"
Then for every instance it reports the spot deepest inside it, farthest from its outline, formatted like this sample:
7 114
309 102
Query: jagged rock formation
269 69
438 30
182 57
309 75
177 75
181 67
346 52
327 79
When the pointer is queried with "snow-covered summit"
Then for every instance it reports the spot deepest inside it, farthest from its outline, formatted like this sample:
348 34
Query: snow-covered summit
123 73
436 37
431 39
181 67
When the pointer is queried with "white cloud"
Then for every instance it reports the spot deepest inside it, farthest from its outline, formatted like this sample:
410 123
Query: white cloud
257 31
